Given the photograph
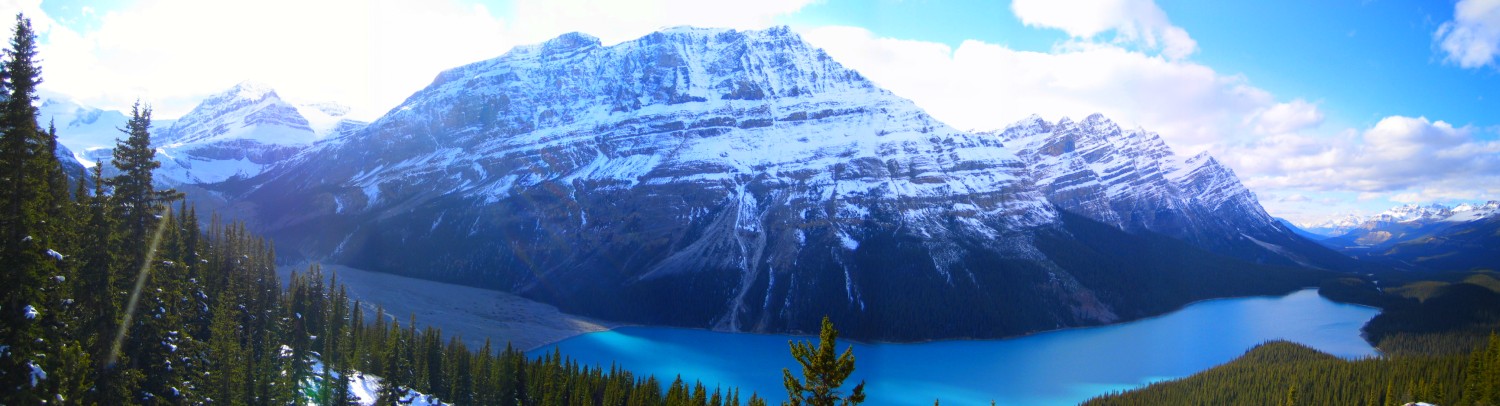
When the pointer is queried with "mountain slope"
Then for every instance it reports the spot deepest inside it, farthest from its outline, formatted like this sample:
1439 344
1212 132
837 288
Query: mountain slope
1458 247
740 180
1132 180
1296 229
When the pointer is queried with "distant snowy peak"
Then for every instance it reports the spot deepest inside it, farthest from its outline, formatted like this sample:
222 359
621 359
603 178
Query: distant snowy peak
240 132
1333 227
1414 213
248 111
1471 212
81 128
1408 215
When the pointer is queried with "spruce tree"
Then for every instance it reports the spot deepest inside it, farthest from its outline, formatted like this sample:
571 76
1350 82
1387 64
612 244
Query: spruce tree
394 386
136 197
27 252
824 371
227 378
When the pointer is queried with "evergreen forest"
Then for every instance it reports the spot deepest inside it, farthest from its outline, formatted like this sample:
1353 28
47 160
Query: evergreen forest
116 293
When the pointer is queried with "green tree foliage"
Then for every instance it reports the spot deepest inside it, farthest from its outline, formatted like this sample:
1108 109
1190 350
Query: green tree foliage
1438 339
34 304
1288 373
134 191
824 371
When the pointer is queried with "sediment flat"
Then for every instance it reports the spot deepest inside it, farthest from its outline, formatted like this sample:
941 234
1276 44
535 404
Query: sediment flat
474 314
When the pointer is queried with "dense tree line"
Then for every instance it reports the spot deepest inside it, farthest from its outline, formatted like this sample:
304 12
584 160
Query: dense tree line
1437 338
1284 373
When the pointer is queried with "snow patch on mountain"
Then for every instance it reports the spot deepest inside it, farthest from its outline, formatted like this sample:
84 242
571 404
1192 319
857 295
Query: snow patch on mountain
79 127
241 132
687 106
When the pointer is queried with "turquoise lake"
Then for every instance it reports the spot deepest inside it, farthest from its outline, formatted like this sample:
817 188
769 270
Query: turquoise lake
1053 368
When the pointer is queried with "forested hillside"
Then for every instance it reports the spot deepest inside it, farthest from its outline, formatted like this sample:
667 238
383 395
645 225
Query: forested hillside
1437 339
1284 373
111 296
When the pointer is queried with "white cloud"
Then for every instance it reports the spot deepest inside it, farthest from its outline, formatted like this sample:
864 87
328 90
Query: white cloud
1274 146
985 86
370 54
367 53
1294 198
1472 39
1288 117
1133 21
1413 159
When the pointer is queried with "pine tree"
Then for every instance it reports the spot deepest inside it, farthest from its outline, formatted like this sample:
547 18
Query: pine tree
227 378
98 285
135 194
824 371
755 401
397 379
27 253
700 395
677 393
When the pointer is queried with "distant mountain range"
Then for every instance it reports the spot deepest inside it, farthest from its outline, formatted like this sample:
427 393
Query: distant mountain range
235 133
1414 215
741 181
1426 237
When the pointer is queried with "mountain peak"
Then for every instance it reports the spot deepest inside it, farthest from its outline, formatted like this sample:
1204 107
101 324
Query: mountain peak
1203 159
249 90
1098 124
572 41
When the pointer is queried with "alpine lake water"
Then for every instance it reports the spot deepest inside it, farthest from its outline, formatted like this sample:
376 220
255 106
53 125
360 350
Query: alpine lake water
1061 367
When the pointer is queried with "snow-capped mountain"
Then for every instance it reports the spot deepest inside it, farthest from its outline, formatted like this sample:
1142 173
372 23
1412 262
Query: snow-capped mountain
81 129
240 132
236 133
1415 213
1334 227
741 180
1408 222
1468 240
1131 179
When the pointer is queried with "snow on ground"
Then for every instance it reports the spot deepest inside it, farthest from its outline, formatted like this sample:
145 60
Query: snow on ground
364 388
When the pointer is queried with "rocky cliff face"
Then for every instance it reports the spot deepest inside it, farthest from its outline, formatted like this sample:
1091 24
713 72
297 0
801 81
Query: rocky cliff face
740 180
1132 180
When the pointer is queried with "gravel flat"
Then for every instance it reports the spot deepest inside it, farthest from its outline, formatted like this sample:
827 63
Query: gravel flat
471 313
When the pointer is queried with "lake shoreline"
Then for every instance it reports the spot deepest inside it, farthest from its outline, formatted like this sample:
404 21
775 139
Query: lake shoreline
533 325
935 340
1063 366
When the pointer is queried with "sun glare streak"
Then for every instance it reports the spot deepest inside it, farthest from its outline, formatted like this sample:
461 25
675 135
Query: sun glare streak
135 294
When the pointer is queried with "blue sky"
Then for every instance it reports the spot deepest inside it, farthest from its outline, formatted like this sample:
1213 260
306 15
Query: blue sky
1321 107
1365 59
